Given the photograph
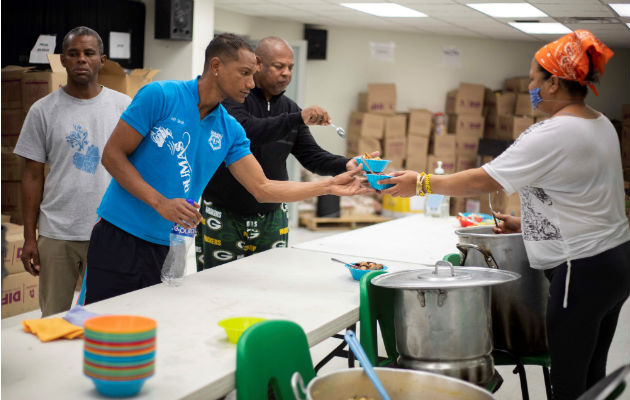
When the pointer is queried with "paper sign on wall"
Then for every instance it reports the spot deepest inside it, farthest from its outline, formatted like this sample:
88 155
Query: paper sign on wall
382 51
451 57
44 45
119 45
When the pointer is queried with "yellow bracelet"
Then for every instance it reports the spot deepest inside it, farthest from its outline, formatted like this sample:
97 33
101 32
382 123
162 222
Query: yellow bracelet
428 185
419 178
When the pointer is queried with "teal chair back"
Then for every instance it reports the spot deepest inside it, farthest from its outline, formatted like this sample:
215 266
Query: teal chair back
267 355
377 306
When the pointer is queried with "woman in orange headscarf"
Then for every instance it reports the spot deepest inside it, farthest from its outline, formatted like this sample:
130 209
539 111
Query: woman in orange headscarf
567 171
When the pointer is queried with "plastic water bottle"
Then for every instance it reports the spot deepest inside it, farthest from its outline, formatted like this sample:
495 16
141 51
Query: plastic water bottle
437 205
174 267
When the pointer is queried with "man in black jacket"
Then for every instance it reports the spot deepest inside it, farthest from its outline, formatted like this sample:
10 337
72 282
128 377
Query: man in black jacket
234 224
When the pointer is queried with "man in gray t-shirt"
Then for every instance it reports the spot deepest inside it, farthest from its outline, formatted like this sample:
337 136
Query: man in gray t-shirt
68 130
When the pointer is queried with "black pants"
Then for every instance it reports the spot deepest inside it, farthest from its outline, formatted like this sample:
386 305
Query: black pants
580 334
119 263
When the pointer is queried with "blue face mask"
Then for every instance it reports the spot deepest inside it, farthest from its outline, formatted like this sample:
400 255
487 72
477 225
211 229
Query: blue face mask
534 96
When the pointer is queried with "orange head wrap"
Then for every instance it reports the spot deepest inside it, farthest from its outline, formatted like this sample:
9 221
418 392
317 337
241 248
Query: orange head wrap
567 57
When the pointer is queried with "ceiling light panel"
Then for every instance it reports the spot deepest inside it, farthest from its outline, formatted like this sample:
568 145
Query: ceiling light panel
389 10
622 9
508 10
542 28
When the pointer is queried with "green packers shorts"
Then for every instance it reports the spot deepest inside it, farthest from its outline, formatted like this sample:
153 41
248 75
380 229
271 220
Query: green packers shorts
223 236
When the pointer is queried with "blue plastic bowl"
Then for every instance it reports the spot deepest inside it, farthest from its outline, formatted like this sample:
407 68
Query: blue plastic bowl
357 274
373 178
375 165
118 388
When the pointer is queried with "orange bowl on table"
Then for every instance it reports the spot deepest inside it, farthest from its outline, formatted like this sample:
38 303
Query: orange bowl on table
120 324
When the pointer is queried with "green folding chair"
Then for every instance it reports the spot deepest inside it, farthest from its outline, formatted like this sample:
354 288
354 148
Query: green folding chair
505 357
377 306
267 355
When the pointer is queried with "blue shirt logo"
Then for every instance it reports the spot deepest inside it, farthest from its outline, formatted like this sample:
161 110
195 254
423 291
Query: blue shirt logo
87 156
215 140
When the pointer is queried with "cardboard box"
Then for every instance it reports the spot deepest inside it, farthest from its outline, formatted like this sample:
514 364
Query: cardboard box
464 205
362 145
466 145
491 127
12 165
37 84
15 242
381 98
497 103
396 126
366 125
20 293
6 219
419 122
362 102
517 84
113 76
523 106
12 86
417 149
443 145
511 126
11 197
448 163
465 162
395 148
468 99
395 164
466 124
11 125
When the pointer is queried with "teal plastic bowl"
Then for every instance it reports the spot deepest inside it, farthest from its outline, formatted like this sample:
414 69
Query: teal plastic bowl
118 388
373 178
357 274
375 165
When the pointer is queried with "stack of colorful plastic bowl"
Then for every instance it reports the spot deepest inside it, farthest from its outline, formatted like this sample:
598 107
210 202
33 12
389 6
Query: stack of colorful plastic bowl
119 353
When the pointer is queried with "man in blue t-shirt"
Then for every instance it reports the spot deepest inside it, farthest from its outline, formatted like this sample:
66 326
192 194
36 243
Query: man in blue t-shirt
165 148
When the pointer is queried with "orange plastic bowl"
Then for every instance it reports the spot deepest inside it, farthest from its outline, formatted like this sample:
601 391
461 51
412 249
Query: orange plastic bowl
120 324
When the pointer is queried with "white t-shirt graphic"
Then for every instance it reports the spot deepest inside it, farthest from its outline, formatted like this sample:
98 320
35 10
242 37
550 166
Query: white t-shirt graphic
567 171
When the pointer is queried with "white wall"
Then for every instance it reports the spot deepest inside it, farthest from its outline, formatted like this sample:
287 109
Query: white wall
178 59
421 79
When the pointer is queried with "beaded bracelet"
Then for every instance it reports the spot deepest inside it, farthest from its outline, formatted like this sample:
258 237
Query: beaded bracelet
419 180
428 185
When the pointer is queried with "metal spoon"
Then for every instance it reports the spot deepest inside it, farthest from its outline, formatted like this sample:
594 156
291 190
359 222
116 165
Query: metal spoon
339 261
339 130
496 223
359 352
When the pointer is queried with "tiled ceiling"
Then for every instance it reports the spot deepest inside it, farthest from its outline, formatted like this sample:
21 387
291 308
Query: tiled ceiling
446 17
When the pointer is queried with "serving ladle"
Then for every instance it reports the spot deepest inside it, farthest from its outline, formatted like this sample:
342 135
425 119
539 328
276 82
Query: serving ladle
359 353
496 223
339 130
339 261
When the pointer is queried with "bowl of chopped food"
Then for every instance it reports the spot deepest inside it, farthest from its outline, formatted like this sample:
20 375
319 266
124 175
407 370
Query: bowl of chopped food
358 269
375 164
374 178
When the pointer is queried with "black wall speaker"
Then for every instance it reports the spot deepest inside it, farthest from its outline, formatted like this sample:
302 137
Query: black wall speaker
316 39
174 19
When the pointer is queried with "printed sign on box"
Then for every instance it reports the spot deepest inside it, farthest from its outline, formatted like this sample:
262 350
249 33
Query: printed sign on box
20 293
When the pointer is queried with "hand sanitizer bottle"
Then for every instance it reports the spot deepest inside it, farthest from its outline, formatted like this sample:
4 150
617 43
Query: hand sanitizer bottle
437 205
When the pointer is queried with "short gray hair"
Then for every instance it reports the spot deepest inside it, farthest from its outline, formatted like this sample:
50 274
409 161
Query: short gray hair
82 31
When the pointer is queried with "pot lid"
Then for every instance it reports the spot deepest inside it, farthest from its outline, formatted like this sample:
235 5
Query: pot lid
444 276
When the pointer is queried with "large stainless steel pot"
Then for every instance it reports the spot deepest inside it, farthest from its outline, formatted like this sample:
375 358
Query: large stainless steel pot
400 385
518 308
442 319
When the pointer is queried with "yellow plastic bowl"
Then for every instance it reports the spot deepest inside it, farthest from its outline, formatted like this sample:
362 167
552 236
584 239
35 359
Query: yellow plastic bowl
234 327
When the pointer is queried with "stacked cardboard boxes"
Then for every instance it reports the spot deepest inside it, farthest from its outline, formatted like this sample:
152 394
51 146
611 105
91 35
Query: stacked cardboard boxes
375 126
466 122
20 292
418 134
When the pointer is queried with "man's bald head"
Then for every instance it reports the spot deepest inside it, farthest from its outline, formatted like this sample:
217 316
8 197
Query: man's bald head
276 65
268 47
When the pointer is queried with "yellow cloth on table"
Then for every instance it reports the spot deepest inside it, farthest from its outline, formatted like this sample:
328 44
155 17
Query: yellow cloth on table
47 329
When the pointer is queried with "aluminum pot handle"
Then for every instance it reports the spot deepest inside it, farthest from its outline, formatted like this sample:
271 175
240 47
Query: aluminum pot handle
297 384
487 254
444 264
